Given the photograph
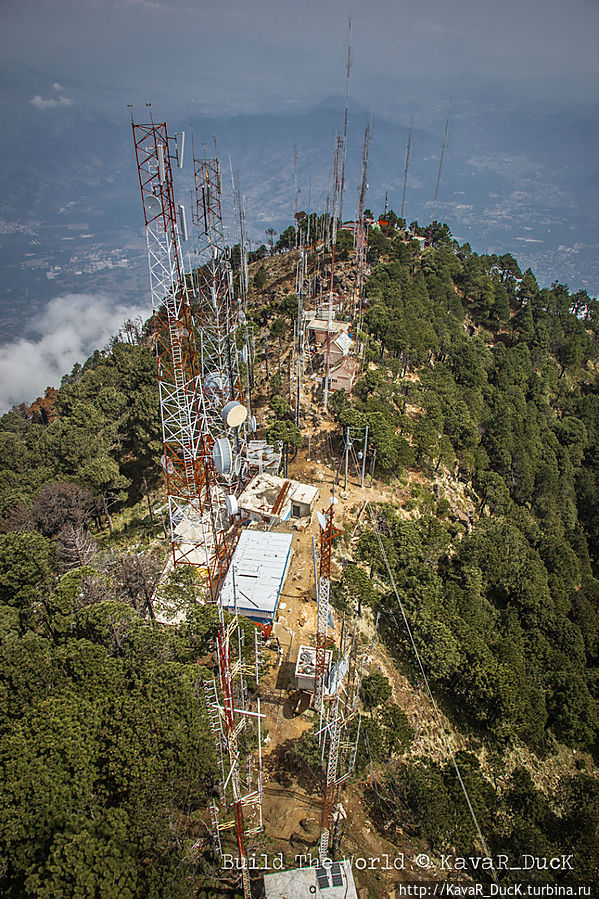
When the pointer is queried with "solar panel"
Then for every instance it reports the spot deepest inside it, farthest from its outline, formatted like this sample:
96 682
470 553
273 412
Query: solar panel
322 875
336 875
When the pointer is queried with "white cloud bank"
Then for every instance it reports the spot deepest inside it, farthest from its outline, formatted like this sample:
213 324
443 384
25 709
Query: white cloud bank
52 102
68 331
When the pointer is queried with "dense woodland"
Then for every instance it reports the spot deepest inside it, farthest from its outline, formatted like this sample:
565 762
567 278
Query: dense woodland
480 378
475 378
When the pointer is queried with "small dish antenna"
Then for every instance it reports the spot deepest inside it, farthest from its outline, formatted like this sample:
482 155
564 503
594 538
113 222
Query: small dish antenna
222 456
234 414
231 504
153 206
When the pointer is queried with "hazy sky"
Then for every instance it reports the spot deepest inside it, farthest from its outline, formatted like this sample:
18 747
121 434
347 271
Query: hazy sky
260 54
67 64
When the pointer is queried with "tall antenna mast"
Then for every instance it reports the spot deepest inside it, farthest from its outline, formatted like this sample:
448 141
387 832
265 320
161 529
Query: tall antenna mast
219 322
407 165
444 145
336 190
296 194
346 118
197 524
360 238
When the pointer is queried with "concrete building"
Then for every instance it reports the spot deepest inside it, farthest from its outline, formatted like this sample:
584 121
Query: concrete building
343 375
271 499
333 881
256 575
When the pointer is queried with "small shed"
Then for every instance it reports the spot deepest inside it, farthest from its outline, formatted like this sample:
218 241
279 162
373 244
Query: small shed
256 575
272 499
334 880
305 667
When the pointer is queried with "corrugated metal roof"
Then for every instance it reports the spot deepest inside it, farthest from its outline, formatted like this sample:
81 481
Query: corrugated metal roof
344 342
259 564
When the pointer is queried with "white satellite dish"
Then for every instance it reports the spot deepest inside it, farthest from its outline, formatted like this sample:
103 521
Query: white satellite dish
234 414
253 424
333 501
231 504
244 354
237 464
153 206
321 520
222 456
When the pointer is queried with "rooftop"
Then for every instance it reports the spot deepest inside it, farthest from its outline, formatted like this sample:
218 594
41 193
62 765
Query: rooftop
348 364
322 324
264 490
344 342
335 881
259 567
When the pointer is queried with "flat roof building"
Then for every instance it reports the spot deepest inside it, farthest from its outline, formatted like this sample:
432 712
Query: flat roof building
256 575
272 499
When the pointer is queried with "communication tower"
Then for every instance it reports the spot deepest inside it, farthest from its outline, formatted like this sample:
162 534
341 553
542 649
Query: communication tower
197 523
406 167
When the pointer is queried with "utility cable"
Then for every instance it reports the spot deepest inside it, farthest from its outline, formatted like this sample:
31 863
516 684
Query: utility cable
428 688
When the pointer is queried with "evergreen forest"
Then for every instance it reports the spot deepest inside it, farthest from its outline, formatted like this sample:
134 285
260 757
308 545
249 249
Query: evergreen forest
481 395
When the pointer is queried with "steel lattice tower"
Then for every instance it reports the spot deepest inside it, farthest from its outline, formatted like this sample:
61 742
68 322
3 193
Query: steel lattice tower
197 524
200 410
219 320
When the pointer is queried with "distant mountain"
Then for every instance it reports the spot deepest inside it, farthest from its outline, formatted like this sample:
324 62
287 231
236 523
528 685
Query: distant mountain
512 180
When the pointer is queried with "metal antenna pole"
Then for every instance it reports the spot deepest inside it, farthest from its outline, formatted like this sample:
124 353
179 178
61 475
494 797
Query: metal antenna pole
405 171
361 242
444 146
346 456
336 179
346 118
364 456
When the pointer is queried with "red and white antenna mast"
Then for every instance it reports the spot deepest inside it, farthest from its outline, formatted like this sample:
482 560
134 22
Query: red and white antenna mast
197 530
197 451
327 534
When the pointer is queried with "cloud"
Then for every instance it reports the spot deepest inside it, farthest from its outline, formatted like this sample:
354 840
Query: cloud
50 103
71 327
